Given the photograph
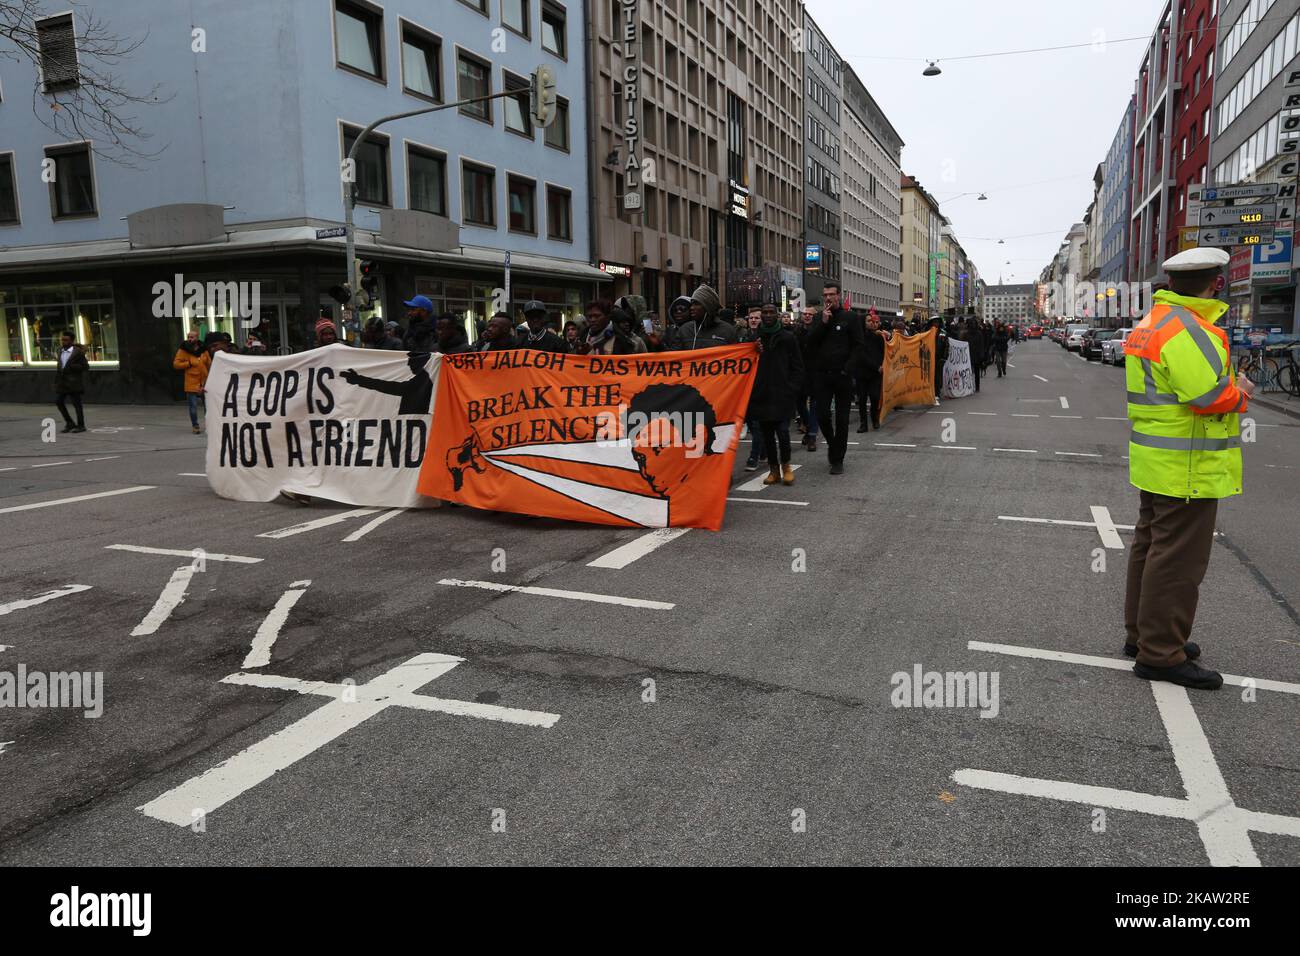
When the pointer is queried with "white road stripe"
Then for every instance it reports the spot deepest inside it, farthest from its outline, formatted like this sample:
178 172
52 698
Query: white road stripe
1109 418
1039 377
887 444
1117 664
259 655
1072 524
956 447
1023 415
42 598
191 474
207 555
325 522
14 468
1064 402
106 458
371 525
756 483
991 414
568 595
173 595
69 501
1024 451
1079 454
1107 797
771 501
637 548
1065 416
50 464
1106 527
1221 828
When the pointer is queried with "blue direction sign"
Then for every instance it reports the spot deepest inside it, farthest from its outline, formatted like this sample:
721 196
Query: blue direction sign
334 232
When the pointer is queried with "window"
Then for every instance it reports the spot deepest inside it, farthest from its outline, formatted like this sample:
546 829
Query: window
57 39
517 108
372 181
473 80
73 191
514 14
359 38
479 5
553 34
522 196
557 134
426 181
478 195
8 193
421 64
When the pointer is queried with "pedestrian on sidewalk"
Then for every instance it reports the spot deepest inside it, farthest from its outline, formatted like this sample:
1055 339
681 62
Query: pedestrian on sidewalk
70 380
192 359
776 387
1184 455
837 342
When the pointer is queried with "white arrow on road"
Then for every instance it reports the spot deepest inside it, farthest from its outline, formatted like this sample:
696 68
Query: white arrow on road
42 598
325 522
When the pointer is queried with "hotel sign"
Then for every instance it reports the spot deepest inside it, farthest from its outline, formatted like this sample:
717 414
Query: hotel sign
629 33
739 202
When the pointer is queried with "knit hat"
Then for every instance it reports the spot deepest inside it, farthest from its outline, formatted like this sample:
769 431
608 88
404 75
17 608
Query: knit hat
708 299
324 323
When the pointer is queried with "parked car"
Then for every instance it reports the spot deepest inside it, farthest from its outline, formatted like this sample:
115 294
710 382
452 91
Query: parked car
1092 343
1112 350
1074 337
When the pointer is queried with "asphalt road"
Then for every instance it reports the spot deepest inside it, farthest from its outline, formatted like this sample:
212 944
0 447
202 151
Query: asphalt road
749 719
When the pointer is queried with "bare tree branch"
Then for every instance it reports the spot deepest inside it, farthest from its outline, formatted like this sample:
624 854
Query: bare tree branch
100 108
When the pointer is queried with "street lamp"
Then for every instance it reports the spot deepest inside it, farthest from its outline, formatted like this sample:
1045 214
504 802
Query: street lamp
931 70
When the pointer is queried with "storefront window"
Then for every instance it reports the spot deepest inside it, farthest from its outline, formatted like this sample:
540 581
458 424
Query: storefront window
11 337
97 330
33 319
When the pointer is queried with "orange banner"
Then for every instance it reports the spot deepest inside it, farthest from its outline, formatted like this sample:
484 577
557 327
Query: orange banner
636 440
909 372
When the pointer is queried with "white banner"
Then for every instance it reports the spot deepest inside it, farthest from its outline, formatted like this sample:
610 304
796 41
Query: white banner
345 424
958 378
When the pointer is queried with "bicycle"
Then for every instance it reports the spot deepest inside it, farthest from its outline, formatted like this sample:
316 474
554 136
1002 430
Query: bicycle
1268 373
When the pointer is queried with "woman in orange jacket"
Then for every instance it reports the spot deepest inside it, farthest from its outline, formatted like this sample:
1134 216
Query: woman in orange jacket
193 359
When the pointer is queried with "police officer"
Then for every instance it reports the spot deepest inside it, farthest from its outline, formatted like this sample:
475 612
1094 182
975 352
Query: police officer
1184 455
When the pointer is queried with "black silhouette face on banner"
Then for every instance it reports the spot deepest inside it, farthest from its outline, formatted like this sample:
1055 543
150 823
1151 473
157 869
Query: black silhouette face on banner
416 392
657 418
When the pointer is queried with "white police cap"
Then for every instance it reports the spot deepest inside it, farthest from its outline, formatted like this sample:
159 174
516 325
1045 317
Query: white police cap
1204 257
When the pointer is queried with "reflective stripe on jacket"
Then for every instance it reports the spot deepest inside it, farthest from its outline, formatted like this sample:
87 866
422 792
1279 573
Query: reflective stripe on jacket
1182 401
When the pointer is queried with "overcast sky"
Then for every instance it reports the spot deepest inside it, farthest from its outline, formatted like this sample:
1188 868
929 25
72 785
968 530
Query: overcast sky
1001 123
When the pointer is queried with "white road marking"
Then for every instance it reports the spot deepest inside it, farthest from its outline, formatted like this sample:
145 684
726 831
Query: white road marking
1023 415
371 525
887 444
325 522
50 464
1224 828
956 447
1106 539
1111 418
14 468
69 501
172 596
1106 527
259 654
1025 451
42 598
350 706
637 548
191 474
991 414
1079 454
772 501
1119 664
568 595
1065 416
105 458
207 555
756 483
1064 402
1039 377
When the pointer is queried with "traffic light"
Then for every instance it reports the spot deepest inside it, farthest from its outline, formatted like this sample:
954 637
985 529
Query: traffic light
370 276
541 96
340 294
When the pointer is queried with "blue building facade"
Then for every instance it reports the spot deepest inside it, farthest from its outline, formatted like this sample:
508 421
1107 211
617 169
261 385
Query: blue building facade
256 104
1116 202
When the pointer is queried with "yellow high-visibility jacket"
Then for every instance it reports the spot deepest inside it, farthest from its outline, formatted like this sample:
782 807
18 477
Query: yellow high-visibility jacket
1183 402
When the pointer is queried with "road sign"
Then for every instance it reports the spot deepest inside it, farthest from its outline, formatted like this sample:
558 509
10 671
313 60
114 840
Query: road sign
1271 262
1254 214
336 232
1240 191
1236 236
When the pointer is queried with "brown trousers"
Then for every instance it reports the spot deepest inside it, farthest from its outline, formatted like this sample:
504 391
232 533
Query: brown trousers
1171 550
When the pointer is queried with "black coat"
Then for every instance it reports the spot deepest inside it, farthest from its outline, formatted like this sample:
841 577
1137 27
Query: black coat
422 336
837 344
779 380
70 378
549 342
873 354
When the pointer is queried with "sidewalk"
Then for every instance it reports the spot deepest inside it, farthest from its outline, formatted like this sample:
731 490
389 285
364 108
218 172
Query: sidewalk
110 430
1279 402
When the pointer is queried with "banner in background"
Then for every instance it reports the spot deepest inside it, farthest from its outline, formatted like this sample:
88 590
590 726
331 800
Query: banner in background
636 440
346 424
909 372
958 376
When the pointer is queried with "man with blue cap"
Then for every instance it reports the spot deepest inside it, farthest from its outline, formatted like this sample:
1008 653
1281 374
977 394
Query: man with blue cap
421 331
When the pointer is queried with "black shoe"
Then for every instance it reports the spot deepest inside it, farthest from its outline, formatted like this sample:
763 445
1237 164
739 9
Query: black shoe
1186 674
1191 649
79 428
751 465
837 468
69 428
864 427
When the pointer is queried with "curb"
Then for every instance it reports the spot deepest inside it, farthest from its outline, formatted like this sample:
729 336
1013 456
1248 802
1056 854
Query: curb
1286 409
